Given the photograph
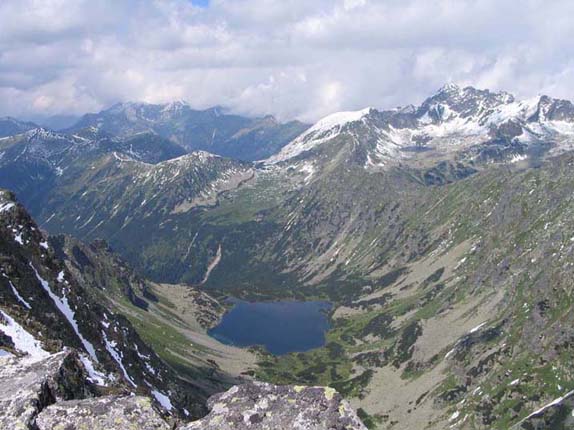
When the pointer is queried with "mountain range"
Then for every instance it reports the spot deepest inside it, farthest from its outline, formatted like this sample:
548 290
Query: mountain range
441 233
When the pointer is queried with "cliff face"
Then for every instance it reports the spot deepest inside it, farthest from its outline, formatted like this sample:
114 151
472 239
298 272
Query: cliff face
54 392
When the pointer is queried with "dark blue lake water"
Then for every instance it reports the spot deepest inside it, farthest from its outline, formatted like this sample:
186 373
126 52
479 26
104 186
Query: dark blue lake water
280 327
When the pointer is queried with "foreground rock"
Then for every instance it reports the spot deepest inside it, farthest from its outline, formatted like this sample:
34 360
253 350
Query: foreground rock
27 386
104 413
54 392
261 406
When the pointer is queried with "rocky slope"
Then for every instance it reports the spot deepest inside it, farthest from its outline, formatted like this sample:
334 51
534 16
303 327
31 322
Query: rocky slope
267 407
46 306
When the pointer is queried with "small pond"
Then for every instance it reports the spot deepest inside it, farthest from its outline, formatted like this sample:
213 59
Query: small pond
280 327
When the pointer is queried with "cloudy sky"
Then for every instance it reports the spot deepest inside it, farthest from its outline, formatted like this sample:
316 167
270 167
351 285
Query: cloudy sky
292 58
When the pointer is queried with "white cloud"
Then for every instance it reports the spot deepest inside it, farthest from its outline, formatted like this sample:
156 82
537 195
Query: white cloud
294 59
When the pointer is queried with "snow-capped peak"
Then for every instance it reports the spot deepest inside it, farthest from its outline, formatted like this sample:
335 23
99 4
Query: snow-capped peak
450 88
338 119
325 129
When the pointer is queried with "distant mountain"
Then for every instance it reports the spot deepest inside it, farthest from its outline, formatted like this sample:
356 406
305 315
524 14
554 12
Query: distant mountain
34 162
10 126
210 130
56 122
122 184
473 126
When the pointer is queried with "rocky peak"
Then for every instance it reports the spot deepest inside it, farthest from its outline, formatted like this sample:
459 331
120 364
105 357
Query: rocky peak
466 102
549 109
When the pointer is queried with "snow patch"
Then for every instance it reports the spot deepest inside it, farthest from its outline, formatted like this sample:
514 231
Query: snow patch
478 327
454 416
162 400
15 291
93 375
23 341
64 307
111 348
517 158
6 206
552 403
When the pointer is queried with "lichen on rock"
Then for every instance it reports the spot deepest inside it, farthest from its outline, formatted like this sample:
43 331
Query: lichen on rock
262 406
55 393
103 413
27 386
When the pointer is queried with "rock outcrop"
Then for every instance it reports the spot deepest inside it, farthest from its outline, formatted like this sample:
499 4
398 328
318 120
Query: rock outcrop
27 386
104 413
55 393
262 406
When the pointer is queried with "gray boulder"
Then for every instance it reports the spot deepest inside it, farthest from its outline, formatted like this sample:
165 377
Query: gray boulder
27 386
103 413
261 406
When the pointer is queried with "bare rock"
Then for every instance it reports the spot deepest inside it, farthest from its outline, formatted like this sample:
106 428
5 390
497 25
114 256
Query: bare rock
28 385
103 413
261 406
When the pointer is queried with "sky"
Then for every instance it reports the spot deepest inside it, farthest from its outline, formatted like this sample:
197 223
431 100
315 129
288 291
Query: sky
295 59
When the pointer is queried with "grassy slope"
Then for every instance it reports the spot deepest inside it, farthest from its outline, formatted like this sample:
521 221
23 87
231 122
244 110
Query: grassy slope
500 253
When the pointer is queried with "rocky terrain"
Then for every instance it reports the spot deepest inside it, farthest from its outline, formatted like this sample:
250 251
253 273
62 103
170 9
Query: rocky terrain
46 307
56 392
265 406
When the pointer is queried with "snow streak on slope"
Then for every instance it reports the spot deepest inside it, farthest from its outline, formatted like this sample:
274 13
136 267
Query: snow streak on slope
64 307
17 294
23 341
111 348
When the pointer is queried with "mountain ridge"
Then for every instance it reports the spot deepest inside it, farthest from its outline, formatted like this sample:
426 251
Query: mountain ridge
472 116
212 129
